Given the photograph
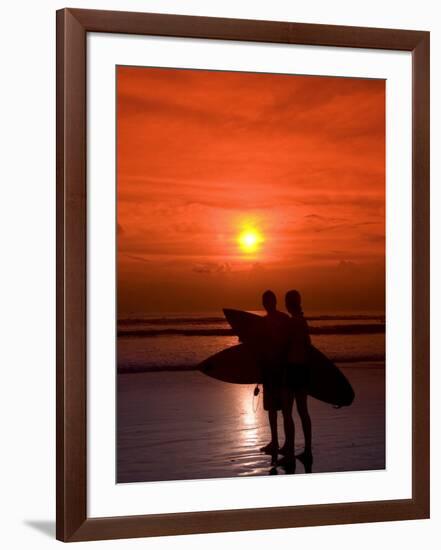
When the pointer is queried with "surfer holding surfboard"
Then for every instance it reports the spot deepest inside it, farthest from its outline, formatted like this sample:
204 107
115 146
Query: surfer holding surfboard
297 375
273 359
276 350
285 374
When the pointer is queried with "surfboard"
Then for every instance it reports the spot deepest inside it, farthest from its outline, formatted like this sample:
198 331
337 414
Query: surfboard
237 365
247 326
240 364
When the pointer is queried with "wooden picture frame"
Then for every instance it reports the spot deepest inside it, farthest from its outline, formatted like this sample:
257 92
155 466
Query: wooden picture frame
73 524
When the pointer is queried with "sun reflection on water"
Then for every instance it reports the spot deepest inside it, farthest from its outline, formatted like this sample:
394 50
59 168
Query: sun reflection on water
249 428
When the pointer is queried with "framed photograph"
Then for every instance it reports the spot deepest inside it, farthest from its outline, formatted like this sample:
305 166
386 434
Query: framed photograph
242 274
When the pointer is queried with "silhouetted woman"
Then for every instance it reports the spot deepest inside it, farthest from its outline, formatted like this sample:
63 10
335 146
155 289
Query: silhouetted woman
296 380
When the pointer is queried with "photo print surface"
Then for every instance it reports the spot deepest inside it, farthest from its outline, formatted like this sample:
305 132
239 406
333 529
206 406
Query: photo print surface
250 274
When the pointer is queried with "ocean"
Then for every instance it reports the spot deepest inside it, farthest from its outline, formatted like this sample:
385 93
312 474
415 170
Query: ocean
180 342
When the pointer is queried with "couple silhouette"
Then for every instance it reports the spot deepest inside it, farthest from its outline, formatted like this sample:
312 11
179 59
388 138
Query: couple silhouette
285 375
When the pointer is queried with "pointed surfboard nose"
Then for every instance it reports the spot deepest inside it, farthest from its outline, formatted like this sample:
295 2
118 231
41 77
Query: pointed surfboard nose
205 366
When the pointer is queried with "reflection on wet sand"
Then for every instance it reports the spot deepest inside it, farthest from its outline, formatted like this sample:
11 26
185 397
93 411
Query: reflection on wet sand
177 426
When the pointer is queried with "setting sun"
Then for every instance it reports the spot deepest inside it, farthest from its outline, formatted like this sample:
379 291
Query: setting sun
249 240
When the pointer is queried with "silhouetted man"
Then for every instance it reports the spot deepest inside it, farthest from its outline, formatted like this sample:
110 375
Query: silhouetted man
275 345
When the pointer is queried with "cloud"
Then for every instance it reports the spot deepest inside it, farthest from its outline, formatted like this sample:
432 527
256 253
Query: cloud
136 257
210 268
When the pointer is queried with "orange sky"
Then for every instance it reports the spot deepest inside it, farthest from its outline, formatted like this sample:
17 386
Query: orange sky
203 154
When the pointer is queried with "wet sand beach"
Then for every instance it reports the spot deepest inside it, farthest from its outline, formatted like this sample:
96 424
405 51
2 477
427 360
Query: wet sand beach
185 425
